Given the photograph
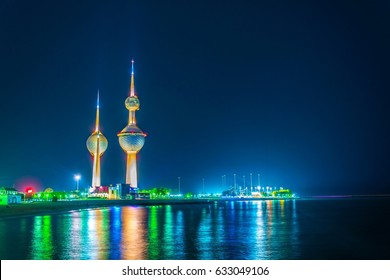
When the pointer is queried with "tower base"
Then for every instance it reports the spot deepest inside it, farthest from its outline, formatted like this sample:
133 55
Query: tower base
131 169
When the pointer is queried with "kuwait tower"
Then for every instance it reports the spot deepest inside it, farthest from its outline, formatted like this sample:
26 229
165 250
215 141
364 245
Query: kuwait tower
132 138
96 144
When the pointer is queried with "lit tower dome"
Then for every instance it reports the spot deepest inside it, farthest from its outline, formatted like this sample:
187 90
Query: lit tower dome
96 144
132 138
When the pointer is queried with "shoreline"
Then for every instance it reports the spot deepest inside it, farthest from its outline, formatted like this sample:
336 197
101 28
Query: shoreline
48 208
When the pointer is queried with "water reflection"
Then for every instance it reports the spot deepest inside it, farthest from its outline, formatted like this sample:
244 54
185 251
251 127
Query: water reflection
115 235
153 236
41 242
224 230
133 244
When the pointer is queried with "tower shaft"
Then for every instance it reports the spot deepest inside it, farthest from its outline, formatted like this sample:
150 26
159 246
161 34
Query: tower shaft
132 117
96 166
131 169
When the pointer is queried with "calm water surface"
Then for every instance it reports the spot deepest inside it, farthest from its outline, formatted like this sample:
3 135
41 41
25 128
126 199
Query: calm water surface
301 229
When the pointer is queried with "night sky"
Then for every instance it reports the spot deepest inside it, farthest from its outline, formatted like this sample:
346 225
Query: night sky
297 91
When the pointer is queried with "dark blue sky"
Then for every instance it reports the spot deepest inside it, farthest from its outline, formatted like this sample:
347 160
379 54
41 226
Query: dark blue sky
297 91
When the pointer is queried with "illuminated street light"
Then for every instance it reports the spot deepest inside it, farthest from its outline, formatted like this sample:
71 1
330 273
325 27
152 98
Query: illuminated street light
77 177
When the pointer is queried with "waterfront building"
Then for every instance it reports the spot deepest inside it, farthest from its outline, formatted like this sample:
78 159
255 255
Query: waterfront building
96 144
114 192
122 191
9 195
99 192
132 138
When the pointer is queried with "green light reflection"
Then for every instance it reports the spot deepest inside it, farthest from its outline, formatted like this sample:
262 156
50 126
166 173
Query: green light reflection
153 244
42 243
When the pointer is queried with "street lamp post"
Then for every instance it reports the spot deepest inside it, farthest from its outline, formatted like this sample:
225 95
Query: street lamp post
243 178
251 182
77 177
178 181
234 175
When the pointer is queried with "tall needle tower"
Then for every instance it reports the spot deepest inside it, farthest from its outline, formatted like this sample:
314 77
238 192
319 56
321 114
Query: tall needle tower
96 144
132 138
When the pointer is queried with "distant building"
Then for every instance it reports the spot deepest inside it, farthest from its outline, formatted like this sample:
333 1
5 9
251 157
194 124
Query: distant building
114 192
9 195
117 191
256 194
126 191
123 191
143 196
101 191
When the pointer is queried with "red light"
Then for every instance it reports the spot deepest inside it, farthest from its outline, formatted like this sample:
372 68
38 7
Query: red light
29 190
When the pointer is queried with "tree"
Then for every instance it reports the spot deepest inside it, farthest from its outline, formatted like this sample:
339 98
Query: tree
188 195
160 192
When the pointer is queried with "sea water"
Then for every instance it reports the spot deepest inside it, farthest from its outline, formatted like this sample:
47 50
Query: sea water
354 228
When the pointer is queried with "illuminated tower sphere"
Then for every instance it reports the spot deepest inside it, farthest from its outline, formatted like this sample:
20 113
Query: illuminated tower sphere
96 144
132 138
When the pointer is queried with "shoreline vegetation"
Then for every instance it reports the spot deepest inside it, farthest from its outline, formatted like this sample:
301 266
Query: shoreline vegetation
48 207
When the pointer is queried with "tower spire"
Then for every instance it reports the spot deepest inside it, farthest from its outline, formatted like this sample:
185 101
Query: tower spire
132 93
97 112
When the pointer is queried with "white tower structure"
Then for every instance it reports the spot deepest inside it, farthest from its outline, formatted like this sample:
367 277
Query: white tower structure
132 138
96 144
